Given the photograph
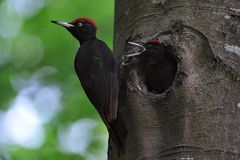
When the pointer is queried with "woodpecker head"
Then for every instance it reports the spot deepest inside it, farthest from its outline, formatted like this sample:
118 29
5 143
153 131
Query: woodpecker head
81 28
153 42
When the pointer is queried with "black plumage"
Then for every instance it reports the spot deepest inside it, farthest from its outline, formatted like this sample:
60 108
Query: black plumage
97 72
96 69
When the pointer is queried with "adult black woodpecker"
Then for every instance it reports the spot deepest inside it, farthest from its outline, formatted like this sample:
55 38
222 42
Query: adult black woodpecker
96 69
159 66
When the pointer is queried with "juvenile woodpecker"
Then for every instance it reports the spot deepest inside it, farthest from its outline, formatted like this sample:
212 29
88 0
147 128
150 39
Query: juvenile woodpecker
96 69
159 66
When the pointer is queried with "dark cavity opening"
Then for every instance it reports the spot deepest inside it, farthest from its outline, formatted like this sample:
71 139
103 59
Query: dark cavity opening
159 67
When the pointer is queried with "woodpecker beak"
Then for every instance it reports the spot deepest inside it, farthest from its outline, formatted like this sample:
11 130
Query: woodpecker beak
63 24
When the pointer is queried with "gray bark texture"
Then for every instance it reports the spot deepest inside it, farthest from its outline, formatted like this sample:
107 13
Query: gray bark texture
198 117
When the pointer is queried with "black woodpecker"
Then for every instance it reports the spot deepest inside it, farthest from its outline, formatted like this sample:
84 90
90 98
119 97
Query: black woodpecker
96 69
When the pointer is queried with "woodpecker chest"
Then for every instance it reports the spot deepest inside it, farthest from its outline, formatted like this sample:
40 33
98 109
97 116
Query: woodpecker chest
88 64
81 62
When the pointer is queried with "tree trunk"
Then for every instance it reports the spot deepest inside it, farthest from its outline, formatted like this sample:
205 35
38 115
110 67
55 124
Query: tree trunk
198 117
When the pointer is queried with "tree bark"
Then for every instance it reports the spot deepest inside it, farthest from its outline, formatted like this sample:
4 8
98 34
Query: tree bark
198 117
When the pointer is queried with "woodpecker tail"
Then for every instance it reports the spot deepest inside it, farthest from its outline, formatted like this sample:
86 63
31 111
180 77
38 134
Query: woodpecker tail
118 134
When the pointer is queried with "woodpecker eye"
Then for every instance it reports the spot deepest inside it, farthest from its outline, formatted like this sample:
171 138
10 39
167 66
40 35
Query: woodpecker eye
80 24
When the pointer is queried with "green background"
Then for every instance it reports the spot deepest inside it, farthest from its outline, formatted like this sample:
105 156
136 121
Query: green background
44 113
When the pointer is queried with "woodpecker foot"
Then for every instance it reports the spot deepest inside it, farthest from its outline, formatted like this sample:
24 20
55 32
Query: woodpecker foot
126 58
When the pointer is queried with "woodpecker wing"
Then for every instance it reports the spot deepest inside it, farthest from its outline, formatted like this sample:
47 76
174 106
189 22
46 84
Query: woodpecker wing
97 71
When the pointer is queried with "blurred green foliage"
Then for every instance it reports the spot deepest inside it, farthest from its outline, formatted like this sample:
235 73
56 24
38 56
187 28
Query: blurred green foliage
35 53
